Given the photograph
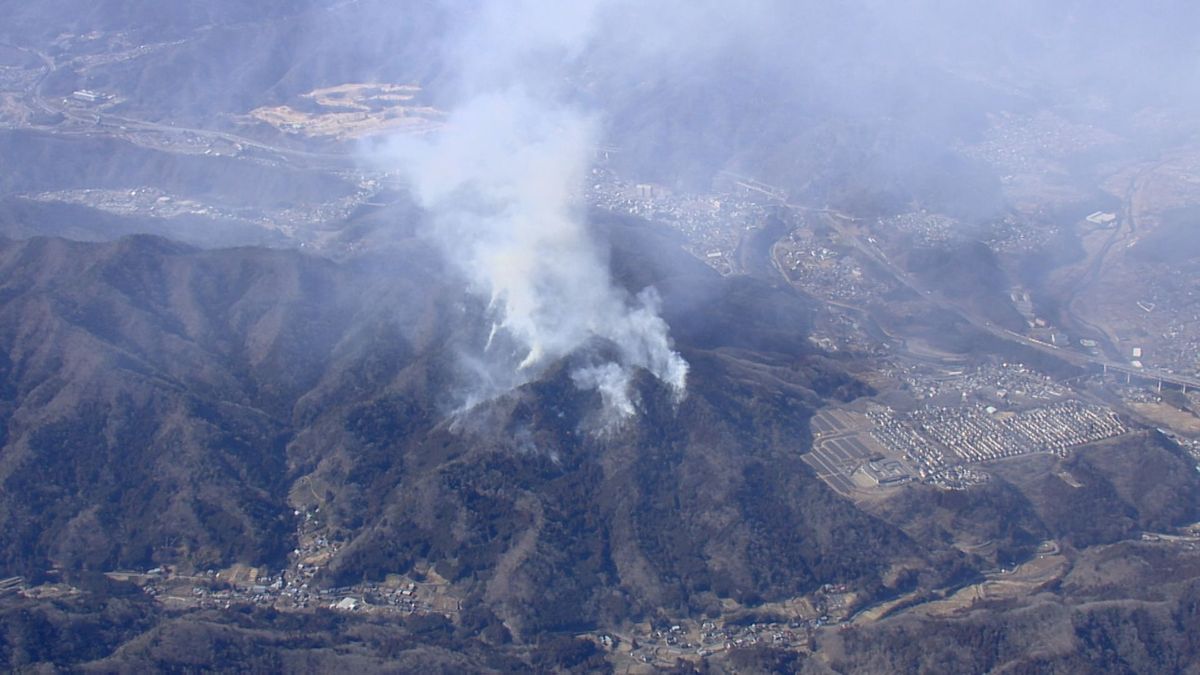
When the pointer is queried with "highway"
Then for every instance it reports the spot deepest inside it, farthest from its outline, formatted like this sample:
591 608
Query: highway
1070 356
1123 232
838 220
100 120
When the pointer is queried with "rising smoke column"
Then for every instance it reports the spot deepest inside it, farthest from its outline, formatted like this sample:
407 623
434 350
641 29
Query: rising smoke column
501 184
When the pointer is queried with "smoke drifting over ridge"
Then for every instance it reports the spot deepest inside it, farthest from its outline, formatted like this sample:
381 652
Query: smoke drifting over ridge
871 107
502 184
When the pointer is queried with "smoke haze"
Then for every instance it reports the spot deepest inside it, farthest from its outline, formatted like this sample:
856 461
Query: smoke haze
502 185
871 107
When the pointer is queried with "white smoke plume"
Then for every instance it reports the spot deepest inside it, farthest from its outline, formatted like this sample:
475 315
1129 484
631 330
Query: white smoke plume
502 184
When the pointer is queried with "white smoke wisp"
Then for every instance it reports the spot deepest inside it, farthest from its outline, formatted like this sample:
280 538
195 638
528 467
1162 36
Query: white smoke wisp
501 184
612 381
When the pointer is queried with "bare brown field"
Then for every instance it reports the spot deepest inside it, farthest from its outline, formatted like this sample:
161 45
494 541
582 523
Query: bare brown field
354 111
1169 416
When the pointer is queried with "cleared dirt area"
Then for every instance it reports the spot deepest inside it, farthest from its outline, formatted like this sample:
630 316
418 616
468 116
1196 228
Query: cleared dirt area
1169 416
1018 582
353 111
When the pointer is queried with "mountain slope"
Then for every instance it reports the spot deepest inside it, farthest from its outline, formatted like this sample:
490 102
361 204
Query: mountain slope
164 404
